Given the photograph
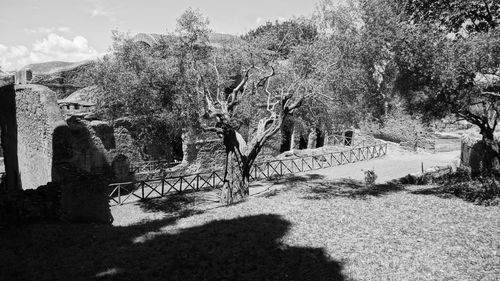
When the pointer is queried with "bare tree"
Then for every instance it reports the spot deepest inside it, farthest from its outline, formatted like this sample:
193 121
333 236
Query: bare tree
280 101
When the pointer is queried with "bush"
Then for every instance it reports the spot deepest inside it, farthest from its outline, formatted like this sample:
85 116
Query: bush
482 190
461 175
370 177
485 191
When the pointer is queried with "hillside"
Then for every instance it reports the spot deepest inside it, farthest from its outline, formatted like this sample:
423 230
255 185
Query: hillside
53 66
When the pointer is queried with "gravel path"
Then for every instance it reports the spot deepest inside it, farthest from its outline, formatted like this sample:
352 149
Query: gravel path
396 164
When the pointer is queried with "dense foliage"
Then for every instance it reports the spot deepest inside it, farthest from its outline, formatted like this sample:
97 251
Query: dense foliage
417 60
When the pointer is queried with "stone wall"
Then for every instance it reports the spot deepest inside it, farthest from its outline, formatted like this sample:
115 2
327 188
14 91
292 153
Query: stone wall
37 115
23 76
8 133
473 155
94 147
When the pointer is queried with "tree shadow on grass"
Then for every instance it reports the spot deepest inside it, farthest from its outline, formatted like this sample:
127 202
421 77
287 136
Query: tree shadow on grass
316 187
245 248
168 204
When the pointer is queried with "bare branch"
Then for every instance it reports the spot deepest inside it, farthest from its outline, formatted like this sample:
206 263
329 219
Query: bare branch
232 100
265 79
245 79
219 99
493 94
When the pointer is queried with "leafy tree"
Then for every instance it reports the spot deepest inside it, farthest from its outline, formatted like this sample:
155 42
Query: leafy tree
381 22
441 76
341 69
279 38
453 15
150 85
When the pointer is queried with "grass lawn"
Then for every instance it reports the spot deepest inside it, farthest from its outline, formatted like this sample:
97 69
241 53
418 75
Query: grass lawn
309 229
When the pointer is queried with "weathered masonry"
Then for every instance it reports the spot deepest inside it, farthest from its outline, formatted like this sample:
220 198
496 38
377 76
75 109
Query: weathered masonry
28 116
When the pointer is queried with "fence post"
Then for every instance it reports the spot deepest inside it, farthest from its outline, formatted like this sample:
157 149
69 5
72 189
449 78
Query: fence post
162 186
119 194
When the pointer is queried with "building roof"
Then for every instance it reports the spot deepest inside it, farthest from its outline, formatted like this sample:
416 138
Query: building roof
84 97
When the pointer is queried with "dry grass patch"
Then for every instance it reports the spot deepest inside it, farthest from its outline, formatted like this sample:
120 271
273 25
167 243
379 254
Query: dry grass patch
390 234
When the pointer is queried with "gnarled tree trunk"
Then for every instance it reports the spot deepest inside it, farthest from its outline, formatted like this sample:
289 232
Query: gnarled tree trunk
492 154
237 169
240 155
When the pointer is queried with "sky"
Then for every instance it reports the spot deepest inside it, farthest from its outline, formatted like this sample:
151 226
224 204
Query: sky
34 31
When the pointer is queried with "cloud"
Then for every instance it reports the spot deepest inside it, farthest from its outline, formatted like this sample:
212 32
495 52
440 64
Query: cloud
100 11
47 30
51 48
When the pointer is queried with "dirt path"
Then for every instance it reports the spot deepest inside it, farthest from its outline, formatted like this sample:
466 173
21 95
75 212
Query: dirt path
396 164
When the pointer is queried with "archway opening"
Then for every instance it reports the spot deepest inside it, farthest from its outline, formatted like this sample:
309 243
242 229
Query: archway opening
320 138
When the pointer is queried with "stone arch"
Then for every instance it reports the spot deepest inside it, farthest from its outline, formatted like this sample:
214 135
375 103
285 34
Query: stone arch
349 135
320 138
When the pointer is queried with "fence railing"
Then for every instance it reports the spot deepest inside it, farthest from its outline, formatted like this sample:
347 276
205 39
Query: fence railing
340 140
121 193
281 167
151 166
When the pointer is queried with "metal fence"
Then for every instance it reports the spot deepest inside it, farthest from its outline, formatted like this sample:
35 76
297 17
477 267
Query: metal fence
154 188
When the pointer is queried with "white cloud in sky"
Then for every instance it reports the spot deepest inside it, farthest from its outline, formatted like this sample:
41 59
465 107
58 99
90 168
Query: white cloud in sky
100 11
47 30
51 48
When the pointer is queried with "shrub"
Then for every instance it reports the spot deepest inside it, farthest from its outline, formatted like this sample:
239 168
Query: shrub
482 190
462 174
485 191
370 177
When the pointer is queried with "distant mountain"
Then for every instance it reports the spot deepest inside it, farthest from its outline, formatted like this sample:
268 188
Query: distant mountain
53 66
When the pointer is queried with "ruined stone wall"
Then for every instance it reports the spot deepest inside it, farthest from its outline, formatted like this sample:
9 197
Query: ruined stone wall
8 133
94 147
37 114
23 76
